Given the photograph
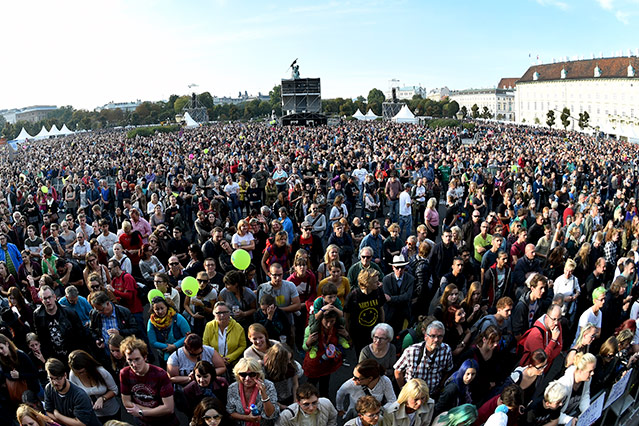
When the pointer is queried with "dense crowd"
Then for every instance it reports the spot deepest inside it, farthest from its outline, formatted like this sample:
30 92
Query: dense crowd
471 281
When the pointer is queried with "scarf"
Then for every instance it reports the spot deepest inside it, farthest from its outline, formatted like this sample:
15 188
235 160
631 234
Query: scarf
165 321
247 406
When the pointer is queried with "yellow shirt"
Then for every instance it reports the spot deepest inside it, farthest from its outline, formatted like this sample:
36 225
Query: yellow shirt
342 290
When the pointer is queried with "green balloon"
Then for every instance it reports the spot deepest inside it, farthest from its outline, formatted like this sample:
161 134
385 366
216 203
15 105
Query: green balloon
190 286
241 259
155 293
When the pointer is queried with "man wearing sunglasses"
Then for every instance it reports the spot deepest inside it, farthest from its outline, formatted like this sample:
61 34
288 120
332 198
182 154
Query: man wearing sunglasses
365 262
308 404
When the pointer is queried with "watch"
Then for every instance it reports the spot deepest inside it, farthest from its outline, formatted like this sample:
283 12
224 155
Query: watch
140 413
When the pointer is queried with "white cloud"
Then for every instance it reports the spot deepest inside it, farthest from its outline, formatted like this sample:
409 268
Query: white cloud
606 4
623 17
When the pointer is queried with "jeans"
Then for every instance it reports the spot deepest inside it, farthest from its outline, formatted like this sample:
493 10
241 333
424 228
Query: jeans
393 210
406 225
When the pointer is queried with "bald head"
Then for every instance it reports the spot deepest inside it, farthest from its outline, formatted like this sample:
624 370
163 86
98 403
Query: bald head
530 251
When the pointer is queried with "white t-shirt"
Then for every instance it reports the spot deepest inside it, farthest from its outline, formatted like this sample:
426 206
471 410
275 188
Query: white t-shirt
107 241
404 204
360 174
184 364
245 240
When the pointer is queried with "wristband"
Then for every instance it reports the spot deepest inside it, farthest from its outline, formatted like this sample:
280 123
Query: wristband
265 400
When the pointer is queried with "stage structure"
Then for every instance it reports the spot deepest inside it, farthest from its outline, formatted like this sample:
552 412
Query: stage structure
195 109
392 107
301 100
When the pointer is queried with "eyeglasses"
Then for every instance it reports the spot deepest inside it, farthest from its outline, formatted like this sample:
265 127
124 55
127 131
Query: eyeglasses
174 263
251 374
436 336
371 415
540 367
222 313
358 379
310 404
553 319
366 257
203 281
95 287
379 338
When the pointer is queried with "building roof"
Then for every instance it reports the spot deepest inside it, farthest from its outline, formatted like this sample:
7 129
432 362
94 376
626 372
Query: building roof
575 70
507 83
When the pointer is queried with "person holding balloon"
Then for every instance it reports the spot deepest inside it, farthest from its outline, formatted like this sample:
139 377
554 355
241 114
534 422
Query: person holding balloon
199 300
166 327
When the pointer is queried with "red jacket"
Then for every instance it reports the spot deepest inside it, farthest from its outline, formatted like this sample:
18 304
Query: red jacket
126 290
540 337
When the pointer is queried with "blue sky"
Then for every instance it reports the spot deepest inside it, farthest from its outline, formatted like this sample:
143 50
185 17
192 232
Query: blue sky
87 53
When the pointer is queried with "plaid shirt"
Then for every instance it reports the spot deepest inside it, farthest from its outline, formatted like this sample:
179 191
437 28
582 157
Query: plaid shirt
610 252
107 324
431 369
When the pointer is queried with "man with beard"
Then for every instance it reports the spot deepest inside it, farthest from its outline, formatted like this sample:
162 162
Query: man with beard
64 402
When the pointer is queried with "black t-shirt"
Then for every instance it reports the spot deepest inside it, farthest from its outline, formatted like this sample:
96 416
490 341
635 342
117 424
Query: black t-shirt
365 311
537 414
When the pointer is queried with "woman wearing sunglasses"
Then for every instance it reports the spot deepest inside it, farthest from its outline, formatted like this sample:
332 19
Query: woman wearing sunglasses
209 412
251 400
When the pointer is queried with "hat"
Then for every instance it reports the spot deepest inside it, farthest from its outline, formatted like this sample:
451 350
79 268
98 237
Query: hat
306 224
407 185
253 220
399 261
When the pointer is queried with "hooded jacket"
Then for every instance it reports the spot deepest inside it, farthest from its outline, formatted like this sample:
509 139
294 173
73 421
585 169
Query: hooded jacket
540 337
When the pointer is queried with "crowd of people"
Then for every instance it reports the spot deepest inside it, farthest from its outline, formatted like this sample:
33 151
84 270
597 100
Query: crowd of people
399 275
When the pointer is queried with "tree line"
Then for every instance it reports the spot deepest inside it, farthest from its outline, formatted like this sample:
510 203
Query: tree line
165 112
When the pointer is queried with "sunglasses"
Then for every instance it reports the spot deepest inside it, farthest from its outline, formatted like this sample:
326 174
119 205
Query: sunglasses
214 417
250 374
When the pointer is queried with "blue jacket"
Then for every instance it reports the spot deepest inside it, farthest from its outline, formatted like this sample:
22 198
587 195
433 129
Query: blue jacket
14 253
82 308
287 224
175 336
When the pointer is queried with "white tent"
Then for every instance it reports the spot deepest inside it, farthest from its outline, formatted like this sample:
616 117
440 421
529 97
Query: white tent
24 135
358 114
404 116
44 133
370 115
65 130
189 121
54 131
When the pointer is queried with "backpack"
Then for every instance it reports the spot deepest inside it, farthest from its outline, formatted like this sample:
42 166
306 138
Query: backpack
398 340
520 345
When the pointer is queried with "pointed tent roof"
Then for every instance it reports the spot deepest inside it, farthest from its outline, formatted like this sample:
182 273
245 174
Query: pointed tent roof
44 133
370 115
358 114
54 131
404 113
23 135
404 116
189 121
65 130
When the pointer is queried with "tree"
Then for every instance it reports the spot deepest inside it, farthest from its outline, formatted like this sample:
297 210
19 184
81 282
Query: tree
376 96
486 113
180 103
276 95
205 99
565 117
474 111
584 117
550 118
537 121
464 111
